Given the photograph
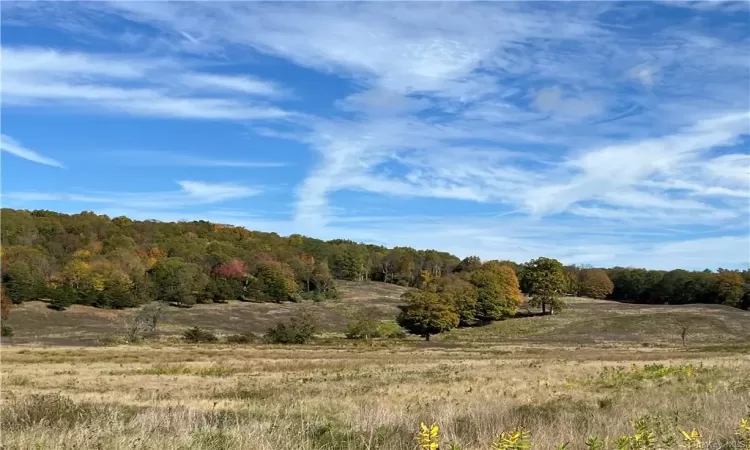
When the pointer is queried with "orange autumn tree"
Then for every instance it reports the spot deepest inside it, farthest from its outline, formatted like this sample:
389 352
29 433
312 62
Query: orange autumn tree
498 291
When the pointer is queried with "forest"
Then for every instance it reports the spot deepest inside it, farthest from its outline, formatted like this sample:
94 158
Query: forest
95 260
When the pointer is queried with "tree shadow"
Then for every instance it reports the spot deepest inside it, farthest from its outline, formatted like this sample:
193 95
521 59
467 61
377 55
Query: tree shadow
528 313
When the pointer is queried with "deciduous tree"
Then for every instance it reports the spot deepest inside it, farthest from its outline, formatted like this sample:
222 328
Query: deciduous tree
425 314
177 281
730 287
498 291
461 295
545 283
468 264
594 283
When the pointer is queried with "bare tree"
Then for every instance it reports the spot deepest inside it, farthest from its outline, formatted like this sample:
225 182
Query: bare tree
151 314
144 321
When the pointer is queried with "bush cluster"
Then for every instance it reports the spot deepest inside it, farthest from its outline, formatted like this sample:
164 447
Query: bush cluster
365 327
298 330
197 335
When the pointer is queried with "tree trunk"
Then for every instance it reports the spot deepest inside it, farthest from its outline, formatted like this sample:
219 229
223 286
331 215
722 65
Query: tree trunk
544 308
427 337
551 310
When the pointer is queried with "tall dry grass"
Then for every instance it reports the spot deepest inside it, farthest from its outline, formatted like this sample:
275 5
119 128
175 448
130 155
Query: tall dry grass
346 398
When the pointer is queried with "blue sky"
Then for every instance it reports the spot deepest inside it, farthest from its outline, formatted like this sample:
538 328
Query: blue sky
596 133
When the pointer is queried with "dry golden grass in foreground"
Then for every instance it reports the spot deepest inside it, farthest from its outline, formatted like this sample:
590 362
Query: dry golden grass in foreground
360 396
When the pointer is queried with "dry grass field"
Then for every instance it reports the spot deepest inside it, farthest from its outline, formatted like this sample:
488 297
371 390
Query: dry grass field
34 323
588 371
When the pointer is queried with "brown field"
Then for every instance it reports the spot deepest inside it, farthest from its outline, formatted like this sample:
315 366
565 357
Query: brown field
553 375
34 323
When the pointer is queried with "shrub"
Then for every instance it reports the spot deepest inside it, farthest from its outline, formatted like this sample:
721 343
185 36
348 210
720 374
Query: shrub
316 296
391 330
7 331
243 338
363 327
197 335
299 330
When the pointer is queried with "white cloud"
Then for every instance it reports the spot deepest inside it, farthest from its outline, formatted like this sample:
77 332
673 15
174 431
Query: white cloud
122 84
191 193
10 145
158 158
645 73
243 84
214 192
604 173
597 141
552 100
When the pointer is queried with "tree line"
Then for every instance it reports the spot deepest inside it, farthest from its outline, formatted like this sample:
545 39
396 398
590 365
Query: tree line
117 262
93 260
482 292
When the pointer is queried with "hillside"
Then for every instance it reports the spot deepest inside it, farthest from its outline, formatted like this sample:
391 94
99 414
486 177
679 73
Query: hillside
114 263
588 321
585 321
34 322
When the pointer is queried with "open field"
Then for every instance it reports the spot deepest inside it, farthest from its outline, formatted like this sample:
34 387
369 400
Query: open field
356 397
34 323
585 321
587 371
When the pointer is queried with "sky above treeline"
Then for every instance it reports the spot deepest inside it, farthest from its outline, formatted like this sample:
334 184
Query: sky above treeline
597 133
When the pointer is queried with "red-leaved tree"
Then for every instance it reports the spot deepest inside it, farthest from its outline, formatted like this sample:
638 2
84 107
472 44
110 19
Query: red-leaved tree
236 268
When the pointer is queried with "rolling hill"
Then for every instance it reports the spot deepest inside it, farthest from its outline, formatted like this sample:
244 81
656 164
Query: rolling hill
585 321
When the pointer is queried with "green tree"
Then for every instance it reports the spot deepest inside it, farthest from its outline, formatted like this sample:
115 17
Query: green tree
116 291
23 282
594 283
468 264
177 281
425 314
633 284
274 282
349 263
675 288
545 283
323 280
498 291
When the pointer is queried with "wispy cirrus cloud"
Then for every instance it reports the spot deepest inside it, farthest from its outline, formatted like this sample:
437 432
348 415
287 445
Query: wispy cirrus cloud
128 85
10 145
173 159
233 83
191 193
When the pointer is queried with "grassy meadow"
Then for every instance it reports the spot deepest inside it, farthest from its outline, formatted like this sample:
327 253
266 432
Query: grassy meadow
589 371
